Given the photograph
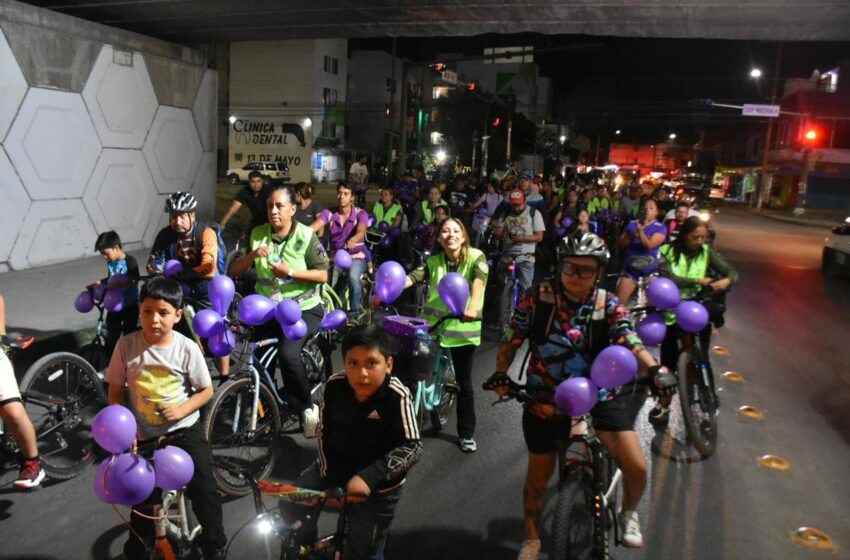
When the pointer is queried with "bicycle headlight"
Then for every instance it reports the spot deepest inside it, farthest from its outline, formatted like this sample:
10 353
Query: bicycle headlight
704 216
264 526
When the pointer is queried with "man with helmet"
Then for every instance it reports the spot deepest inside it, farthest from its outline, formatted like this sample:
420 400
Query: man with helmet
568 322
196 247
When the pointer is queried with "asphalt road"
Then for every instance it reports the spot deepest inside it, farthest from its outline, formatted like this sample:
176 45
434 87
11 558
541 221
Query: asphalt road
786 334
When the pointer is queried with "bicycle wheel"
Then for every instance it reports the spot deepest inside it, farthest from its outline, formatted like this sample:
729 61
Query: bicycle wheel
506 303
445 406
699 405
317 363
95 354
573 525
62 394
233 443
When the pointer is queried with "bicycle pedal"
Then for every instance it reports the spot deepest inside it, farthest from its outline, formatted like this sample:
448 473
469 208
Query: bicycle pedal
452 388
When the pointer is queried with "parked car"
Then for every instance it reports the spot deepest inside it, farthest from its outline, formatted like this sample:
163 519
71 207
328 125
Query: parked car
836 251
272 171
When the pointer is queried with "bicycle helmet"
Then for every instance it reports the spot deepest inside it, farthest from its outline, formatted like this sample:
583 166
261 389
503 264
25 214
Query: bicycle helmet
525 174
584 244
180 202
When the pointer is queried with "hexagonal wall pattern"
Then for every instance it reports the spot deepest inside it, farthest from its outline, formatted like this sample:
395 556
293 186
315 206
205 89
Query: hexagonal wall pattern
204 187
52 144
120 98
13 86
158 220
121 194
53 231
15 205
205 110
173 149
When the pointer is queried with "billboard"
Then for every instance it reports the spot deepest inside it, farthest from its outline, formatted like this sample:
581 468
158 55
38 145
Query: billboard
273 139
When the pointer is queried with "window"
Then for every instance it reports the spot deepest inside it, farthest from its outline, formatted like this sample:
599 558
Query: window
329 97
331 65
439 92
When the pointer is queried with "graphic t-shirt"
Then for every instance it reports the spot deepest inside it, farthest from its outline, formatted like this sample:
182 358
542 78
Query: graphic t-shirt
525 223
158 376
130 267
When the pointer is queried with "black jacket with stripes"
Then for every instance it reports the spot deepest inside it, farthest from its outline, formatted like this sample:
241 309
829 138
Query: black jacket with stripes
377 439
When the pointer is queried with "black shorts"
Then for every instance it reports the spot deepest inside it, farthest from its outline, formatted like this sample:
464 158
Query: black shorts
544 436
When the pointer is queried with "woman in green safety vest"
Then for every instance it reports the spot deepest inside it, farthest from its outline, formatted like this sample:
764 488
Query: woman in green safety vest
693 265
387 210
461 336
424 212
290 263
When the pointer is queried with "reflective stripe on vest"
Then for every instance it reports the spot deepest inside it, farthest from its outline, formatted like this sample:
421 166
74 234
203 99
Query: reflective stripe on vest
454 332
292 251
694 268
386 215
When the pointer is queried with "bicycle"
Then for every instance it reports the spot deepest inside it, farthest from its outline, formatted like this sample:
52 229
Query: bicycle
61 393
298 540
585 518
244 416
509 290
95 352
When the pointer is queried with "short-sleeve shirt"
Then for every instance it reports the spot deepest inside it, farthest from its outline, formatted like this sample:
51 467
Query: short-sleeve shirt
526 223
339 234
256 204
308 215
130 267
358 171
460 199
158 376
635 247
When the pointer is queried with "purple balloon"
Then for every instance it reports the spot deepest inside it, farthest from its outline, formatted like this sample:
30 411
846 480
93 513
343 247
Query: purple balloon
100 482
389 281
221 292
207 323
173 467
334 320
371 221
567 222
296 330
172 267
287 312
114 428
256 309
652 329
342 259
419 228
130 479
386 242
98 292
561 231
113 301
454 292
663 293
613 367
384 227
691 316
117 279
84 303
221 344
395 232
576 396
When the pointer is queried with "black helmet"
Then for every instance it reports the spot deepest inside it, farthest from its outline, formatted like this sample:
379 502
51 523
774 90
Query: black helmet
584 244
181 202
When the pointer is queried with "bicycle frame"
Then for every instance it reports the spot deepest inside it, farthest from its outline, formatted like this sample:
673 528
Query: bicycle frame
428 395
165 525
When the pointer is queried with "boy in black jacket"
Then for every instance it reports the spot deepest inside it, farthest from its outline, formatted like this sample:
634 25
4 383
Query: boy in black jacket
368 438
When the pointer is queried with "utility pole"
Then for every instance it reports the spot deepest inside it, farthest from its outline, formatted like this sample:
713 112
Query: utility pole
474 148
485 153
764 191
802 187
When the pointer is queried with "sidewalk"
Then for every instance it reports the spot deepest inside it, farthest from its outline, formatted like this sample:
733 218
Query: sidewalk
811 218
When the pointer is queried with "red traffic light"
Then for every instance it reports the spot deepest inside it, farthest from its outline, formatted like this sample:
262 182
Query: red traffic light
472 86
497 121
811 135
440 66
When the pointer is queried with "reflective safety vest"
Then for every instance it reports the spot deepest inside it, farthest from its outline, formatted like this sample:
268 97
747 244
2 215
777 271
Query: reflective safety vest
695 267
455 332
428 213
385 214
291 250
596 204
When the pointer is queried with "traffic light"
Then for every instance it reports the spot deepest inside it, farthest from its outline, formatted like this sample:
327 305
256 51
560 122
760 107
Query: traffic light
496 122
471 86
439 67
811 135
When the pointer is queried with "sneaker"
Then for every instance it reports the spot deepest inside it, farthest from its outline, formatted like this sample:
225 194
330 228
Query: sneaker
630 527
467 445
310 421
530 550
659 416
31 474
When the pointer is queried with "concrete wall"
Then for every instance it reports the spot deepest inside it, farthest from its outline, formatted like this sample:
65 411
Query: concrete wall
97 126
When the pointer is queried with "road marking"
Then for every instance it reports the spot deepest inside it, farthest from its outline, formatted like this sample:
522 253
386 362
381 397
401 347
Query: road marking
751 412
811 537
719 350
733 377
774 462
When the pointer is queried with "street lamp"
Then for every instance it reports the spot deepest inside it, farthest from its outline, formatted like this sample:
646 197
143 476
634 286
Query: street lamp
231 119
755 73
562 139
672 136
617 131
440 156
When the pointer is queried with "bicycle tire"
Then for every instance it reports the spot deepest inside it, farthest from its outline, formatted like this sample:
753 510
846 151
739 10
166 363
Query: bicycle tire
699 407
226 427
96 355
573 524
441 413
506 298
67 378
317 368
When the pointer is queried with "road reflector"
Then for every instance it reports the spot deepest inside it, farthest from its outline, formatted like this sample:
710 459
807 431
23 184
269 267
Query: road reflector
774 462
814 538
719 350
751 412
733 377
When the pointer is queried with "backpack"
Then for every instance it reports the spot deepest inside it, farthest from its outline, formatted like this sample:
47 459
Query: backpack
199 243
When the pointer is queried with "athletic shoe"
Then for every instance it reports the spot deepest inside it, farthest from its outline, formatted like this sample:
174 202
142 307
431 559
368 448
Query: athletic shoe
631 529
530 550
310 421
31 474
659 416
467 445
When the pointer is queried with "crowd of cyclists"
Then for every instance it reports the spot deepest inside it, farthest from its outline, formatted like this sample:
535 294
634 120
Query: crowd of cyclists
579 248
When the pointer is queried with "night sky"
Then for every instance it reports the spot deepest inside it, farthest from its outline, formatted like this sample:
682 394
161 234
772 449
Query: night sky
644 87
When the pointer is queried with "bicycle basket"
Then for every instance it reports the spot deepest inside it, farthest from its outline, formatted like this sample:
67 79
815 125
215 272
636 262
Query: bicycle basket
415 352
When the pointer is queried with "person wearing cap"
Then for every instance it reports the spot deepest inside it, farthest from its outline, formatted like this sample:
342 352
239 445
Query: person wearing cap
521 229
